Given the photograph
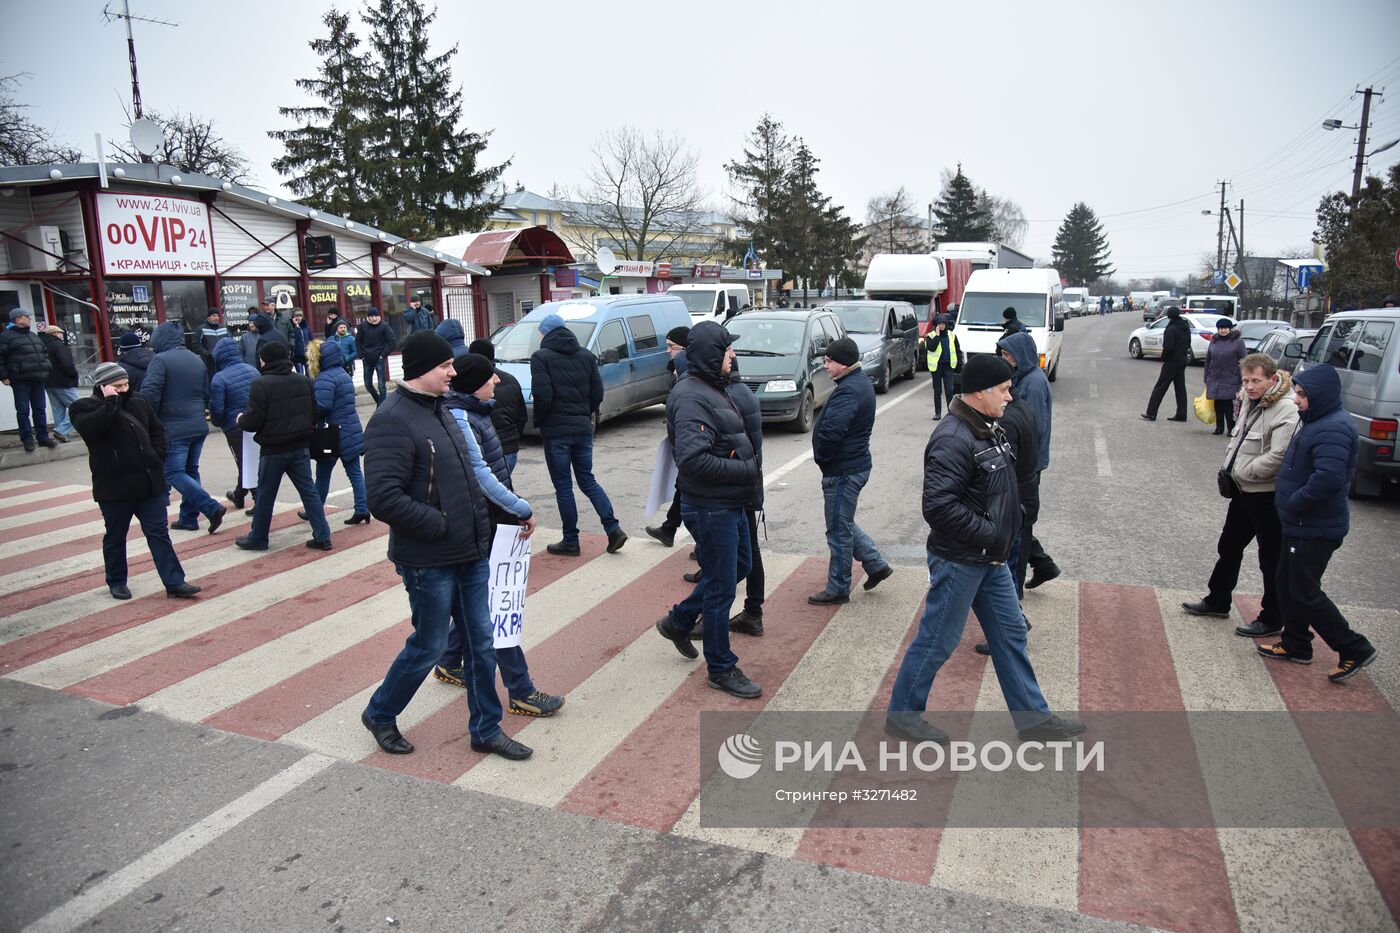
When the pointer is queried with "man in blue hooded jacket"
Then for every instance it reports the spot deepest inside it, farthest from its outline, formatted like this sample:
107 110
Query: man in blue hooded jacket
1311 496
1029 383
228 398
177 388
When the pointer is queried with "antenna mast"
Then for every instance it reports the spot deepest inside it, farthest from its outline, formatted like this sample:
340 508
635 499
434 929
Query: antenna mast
125 14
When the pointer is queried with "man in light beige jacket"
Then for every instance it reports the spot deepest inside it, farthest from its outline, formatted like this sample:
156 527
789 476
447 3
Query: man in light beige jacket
1268 418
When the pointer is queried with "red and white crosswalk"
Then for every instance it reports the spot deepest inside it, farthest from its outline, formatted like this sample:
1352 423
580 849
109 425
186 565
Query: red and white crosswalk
287 645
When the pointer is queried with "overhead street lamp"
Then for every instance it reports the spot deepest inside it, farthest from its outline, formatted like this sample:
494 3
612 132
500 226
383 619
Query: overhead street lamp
1361 138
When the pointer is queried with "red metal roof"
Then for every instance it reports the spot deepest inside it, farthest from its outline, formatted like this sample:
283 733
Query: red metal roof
495 248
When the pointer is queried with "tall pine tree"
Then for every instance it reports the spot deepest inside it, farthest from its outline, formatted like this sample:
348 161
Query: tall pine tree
1081 251
760 181
325 160
962 212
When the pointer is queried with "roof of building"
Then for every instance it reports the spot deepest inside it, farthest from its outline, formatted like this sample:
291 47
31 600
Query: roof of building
163 175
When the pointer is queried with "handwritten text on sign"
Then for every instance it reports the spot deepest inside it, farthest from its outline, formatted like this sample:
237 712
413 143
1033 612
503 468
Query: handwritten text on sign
510 572
146 234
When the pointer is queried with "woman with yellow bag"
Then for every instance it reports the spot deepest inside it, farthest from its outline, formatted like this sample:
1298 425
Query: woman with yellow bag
1223 373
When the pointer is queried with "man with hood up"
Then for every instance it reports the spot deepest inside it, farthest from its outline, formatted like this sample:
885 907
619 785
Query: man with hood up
228 398
1029 382
456 338
717 462
1176 349
568 392
1311 496
177 388
269 332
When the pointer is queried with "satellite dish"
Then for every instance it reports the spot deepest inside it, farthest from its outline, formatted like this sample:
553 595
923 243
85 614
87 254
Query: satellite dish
607 262
147 136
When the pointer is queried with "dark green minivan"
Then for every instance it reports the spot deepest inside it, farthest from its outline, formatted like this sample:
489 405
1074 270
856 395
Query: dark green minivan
780 356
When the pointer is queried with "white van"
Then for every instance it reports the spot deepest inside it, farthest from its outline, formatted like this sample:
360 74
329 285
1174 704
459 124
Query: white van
712 302
1036 296
1077 302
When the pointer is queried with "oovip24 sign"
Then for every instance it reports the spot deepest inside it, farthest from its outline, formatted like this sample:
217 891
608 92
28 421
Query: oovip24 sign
154 235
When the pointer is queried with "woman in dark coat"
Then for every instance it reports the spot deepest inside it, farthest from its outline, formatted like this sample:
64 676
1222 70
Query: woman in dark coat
1223 378
126 453
335 404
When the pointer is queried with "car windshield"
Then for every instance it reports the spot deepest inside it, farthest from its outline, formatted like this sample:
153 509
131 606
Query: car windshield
861 319
986 308
766 336
516 346
1256 329
696 302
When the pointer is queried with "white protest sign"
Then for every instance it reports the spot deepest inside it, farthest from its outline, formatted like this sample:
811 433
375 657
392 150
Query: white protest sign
663 480
154 235
510 572
251 453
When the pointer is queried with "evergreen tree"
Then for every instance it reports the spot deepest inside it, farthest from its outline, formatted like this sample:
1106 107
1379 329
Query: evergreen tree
963 212
841 249
1360 237
325 159
424 166
1081 251
802 229
760 179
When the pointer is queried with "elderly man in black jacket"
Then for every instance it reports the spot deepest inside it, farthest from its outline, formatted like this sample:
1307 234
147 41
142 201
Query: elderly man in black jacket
281 413
568 391
717 461
1176 350
841 449
126 453
419 484
24 365
971 506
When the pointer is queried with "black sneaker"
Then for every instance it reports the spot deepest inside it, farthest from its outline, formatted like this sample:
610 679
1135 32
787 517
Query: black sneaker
680 639
666 536
453 676
1054 729
734 682
563 549
319 545
1349 667
915 730
823 598
1257 629
1278 652
537 703
1041 575
504 746
1202 608
746 623
878 577
616 539
248 544
217 519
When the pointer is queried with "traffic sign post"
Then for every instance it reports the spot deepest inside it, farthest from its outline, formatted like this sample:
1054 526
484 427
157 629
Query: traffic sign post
1233 281
1217 277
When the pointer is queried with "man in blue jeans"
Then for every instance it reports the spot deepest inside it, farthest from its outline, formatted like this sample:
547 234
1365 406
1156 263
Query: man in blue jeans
419 485
568 391
841 449
970 503
281 413
717 463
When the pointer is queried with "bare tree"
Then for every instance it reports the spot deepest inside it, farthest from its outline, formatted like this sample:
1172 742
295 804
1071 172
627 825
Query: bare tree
892 225
22 141
1009 224
192 144
643 192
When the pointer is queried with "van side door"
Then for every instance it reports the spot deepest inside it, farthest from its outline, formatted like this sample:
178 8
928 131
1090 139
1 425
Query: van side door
824 329
908 324
615 365
651 378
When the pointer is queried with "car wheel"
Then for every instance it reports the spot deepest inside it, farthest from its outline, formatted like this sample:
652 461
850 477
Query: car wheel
1190 357
803 422
1054 372
883 385
1135 349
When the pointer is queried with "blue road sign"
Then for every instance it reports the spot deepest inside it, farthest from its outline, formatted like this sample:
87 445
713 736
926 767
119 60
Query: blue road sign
1305 274
1217 277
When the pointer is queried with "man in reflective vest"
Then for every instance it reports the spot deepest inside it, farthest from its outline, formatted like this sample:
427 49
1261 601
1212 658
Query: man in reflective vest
945 357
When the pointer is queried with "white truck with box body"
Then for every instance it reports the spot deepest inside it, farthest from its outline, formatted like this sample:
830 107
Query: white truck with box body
986 255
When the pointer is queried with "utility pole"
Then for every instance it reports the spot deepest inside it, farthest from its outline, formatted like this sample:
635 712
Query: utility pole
125 14
1220 232
1361 142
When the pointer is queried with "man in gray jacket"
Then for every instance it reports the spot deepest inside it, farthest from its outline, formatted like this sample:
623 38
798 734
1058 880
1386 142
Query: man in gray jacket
1268 419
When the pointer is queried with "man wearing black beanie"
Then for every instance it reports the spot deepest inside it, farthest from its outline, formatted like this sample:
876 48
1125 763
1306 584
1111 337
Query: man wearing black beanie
510 414
971 505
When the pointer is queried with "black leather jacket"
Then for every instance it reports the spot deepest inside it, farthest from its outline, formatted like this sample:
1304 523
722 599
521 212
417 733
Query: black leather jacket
970 498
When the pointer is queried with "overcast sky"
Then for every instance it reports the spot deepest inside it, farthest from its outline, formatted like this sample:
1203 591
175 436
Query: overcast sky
1137 109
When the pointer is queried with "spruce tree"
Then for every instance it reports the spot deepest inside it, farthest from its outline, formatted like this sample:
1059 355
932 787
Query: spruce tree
802 227
425 166
962 212
1081 253
760 179
325 159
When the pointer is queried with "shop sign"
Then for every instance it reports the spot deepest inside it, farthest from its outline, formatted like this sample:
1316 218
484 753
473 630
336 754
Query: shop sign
124 310
325 293
566 278
456 280
236 299
320 252
663 270
643 269
144 234
357 291
706 272
560 294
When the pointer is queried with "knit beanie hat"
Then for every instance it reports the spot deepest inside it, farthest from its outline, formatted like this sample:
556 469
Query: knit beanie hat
1224 322
424 350
129 340
680 336
473 372
551 322
984 371
1008 314
843 351
483 347
272 351
108 373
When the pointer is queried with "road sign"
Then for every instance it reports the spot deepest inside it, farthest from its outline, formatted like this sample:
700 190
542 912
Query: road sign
1217 277
1233 281
1305 274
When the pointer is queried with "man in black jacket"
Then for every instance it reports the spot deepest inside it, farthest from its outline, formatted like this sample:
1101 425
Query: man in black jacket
509 415
568 391
374 341
718 466
126 453
24 365
973 513
841 450
1176 347
281 413
418 483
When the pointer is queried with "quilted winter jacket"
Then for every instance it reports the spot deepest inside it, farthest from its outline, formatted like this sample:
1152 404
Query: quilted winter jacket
177 384
718 465
841 436
970 497
1029 383
335 400
136 362
281 409
23 356
228 390
566 385
1311 490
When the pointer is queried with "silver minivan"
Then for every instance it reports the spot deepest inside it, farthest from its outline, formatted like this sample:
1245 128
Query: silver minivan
1364 348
